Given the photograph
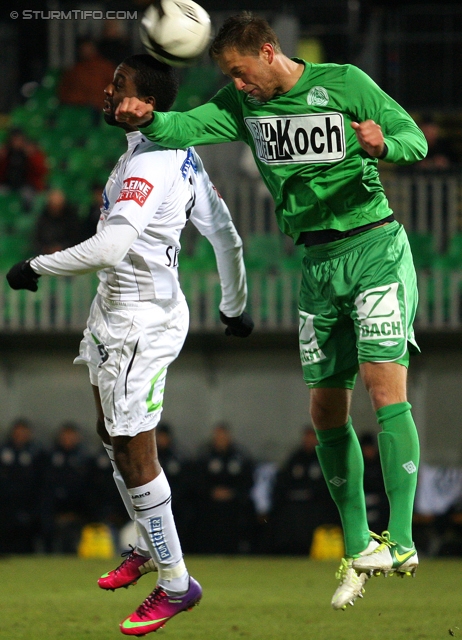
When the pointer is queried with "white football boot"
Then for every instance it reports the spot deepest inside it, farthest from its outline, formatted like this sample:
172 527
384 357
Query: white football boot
387 558
351 584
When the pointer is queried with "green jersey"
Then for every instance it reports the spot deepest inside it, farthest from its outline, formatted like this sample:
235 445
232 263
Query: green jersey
306 151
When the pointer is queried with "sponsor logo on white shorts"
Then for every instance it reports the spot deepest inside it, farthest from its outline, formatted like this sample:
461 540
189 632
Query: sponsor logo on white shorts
310 353
379 315
315 137
137 189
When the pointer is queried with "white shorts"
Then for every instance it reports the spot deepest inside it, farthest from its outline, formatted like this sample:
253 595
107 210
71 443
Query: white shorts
128 348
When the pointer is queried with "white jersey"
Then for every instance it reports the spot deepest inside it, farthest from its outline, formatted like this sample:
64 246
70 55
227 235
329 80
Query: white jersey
149 197
156 190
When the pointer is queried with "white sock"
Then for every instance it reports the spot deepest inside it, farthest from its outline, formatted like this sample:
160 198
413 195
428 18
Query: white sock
153 513
140 545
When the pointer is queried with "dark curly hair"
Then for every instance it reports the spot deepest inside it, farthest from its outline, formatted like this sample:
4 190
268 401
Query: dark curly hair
154 78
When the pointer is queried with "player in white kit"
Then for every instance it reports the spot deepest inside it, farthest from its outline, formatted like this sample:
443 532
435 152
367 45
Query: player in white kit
139 320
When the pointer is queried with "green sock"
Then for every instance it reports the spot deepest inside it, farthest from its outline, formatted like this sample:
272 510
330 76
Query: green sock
342 464
399 455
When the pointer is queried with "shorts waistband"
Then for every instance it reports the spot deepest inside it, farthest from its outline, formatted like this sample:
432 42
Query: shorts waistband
341 247
323 236
139 304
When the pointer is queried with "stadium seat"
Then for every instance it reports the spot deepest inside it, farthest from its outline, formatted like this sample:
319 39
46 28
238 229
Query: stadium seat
264 252
198 85
293 261
203 258
86 164
452 259
75 119
13 248
33 123
107 141
10 208
423 250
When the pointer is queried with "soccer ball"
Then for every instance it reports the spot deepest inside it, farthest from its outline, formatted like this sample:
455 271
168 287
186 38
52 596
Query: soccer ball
175 31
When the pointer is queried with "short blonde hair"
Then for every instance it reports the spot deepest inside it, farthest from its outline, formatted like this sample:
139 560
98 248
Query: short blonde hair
246 33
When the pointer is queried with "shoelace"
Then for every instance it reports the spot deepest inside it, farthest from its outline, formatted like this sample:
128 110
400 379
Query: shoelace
341 573
156 596
128 555
384 541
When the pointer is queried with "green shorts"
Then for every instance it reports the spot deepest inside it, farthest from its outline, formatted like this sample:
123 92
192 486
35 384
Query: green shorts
358 300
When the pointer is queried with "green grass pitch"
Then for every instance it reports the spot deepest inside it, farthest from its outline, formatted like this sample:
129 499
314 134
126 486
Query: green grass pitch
51 598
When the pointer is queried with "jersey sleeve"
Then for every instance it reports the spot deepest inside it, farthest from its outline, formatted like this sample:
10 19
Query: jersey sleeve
218 120
146 181
212 218
209 212
405 141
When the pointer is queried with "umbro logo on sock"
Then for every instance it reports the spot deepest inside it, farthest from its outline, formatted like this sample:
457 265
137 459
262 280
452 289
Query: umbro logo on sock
410 467
337 482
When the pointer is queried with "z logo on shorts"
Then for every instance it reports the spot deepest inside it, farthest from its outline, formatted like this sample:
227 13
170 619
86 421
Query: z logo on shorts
310 353
379 314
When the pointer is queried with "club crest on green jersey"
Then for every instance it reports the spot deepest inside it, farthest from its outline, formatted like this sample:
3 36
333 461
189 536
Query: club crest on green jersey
318 97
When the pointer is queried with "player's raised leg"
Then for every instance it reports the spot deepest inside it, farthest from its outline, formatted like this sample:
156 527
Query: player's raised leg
147 485
137 561
399 455
342 464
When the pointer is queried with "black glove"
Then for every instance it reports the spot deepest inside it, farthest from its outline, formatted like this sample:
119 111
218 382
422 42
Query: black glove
241 326
22 276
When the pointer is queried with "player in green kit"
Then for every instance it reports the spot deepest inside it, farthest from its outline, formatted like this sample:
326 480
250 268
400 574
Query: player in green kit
316 132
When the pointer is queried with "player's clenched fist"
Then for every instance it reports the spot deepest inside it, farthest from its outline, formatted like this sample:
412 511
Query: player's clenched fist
133 111
370 137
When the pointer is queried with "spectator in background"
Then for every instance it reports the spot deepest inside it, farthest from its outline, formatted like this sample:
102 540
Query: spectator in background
376 499
224 479
58 226
89 222
23 166
179 475
441 154
83 83
301 500
114 45
21 462
63 491
102 501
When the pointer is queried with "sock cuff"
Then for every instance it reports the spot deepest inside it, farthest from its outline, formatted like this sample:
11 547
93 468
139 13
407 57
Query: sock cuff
152 493
392 411
331 437
109 449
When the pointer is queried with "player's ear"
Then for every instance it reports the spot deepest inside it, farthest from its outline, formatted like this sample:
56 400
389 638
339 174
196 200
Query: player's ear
151 100
267 52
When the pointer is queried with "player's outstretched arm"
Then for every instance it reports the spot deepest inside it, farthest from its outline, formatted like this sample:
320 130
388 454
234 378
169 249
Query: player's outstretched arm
227 246
211 216
104 249
134 112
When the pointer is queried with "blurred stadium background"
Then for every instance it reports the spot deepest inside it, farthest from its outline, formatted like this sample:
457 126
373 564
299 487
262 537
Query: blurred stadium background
413 50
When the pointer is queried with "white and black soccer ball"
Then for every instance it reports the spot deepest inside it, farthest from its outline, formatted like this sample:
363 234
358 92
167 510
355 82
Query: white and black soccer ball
175 31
